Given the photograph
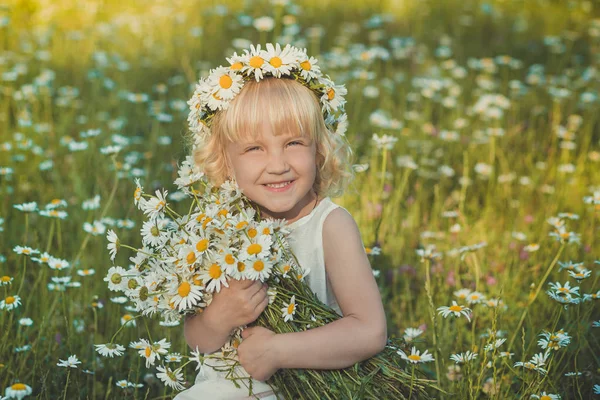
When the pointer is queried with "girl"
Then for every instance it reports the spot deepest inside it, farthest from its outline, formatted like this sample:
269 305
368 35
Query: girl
273 138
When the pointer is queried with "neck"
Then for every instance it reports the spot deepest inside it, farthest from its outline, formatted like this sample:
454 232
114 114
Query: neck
300 210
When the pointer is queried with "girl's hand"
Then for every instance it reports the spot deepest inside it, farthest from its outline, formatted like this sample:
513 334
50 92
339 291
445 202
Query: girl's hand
241 303
256 353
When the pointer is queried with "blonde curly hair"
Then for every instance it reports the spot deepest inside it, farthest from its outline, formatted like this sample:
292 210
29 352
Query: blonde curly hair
288 106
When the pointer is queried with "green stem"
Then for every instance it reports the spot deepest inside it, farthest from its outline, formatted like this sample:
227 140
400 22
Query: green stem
537 292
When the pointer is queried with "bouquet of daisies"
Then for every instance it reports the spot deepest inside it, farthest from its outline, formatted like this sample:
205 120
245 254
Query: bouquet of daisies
186 258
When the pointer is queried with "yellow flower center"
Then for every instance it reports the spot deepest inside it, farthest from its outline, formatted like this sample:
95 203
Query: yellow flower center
414 357
276 62
456 308
5 279
191 257
200 217
197 281
184 289
286 268
330 94
148 351
214 271
137 194
241 266
202 245
254 248
206 222
267 231
229 259
252 232
222 213
291 308
236 66
256 62
9 300
55 201
305 65
564 290
241 225
258 265
18 386
26 251
127 317
225 81
545 397
564 235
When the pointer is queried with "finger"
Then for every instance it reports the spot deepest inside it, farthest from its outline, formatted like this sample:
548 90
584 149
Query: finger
261 306
246 333
259 296
255 289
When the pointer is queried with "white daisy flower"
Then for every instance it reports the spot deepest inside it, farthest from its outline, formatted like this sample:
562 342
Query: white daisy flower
151 352
333 95
258 269
546 396
289 310
17 391
113 244
308 66
25 250
154 232
259 248
254 62
173 358
462 293
96 228
71 362
115 278
455 310
110 349
155 207
214 277
462 358
171 378
26 207
188 295
416 357
411 333
10 303
475 298
137 194
280 62
225 83
580 274
494 345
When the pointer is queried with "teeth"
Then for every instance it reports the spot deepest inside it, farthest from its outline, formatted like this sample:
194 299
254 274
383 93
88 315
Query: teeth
280 185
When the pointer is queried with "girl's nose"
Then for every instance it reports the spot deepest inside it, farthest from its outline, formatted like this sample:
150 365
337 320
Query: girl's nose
277 164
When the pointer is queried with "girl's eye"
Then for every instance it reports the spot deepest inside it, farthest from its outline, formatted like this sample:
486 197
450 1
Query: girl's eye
252 148
294 143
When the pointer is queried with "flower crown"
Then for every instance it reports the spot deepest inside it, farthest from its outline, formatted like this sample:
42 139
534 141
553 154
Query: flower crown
215 92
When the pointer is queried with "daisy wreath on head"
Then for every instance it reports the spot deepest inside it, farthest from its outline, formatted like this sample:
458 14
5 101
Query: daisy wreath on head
216 91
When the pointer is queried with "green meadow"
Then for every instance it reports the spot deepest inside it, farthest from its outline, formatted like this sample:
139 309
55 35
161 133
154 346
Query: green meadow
476 137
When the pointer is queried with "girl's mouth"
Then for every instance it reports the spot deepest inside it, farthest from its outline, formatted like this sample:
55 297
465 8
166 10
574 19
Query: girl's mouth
278 187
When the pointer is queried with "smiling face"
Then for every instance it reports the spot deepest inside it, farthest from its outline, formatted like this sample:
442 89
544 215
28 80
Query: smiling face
277 172
269 138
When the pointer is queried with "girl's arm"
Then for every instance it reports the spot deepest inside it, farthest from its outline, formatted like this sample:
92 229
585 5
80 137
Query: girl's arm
362 332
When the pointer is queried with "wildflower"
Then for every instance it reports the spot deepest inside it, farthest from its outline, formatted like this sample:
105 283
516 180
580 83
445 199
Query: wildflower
455 310
562 235
10 303
123 384
462 358
546 396
96 228
17 391
215 276
503 354
6 280
174 357
25 250
114 277
555 340
113 244
110 349
156 206
495 345
412 333
428 253
453 373
128 319
26 207
580 274
569 265
565 290
187 295
475 298
171 378
71 362
288 311
54 214
591 296
86 272
532 247
569 374
384 142
596 389
416 357
462 293
151 352
25 322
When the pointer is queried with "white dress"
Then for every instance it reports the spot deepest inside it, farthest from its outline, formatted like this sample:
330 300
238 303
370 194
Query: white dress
306 241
